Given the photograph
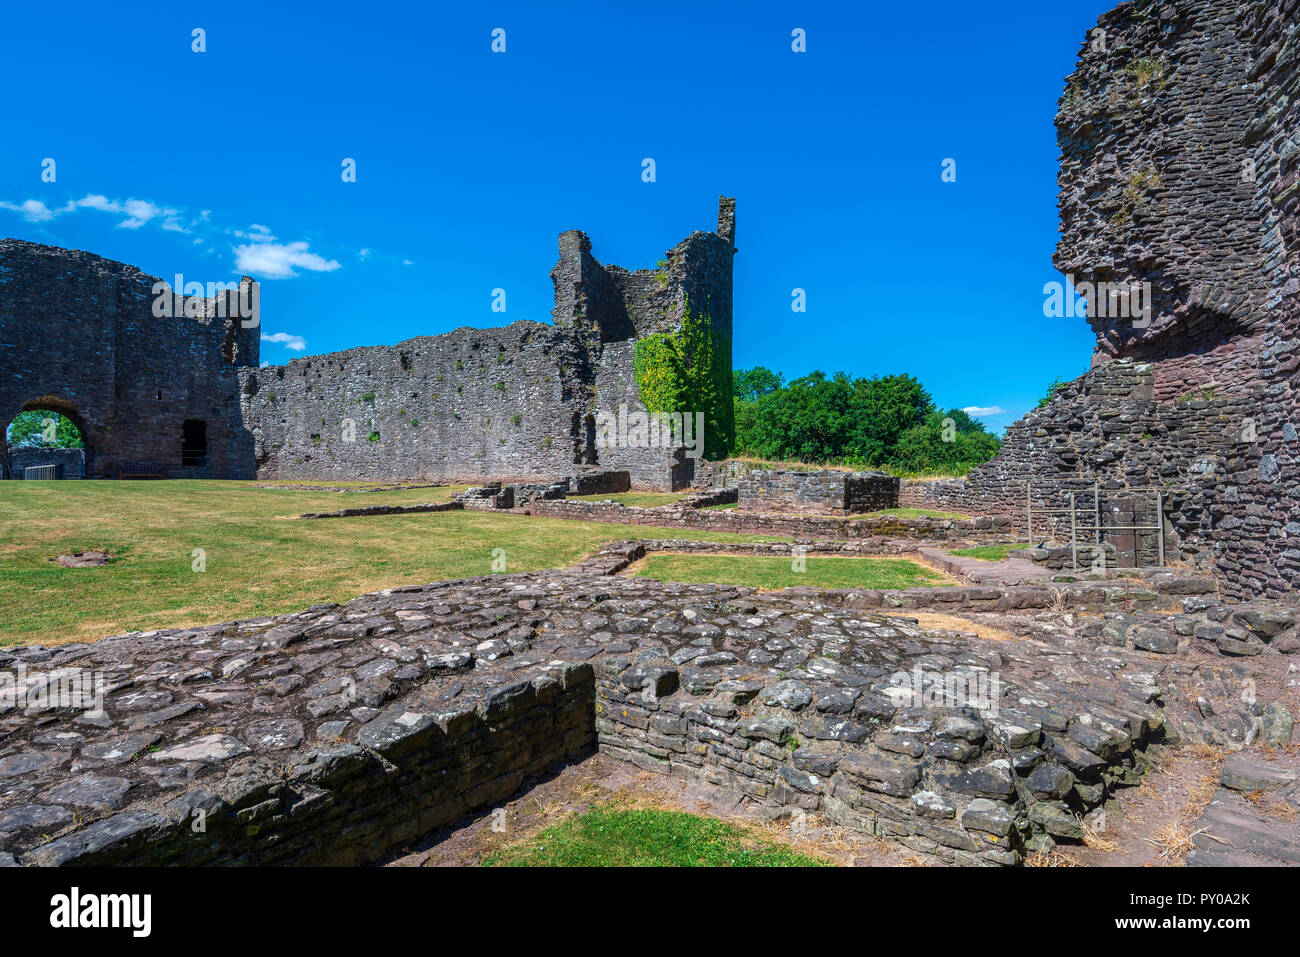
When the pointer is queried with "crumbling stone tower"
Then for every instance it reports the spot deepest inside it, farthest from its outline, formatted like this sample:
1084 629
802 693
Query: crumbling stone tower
613 311
1180 167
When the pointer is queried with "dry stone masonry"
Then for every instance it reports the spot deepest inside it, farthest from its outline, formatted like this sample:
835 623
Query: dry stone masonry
339 734
817 493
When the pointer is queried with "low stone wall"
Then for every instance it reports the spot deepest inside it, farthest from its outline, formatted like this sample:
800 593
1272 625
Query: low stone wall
726 473
959 783
410 774
709 498
506 495
817 493
599 483
72 461
983 529
1237 631
1064 557
938 494
387 510
333 736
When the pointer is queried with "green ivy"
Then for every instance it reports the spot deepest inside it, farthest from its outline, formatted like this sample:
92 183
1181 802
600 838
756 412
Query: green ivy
690 371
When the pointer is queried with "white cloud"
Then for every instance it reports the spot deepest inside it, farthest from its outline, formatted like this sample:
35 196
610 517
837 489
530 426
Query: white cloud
138 212
287 339
256 233
267 260
95 201
982 411
33 210
261 254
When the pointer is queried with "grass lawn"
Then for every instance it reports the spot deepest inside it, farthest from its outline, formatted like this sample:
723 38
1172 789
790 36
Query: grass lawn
259 559
613 836
989 553
641 499
765 571
913 513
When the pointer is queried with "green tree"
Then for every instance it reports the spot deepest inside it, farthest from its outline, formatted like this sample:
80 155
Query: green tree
886 421
30 429
750 385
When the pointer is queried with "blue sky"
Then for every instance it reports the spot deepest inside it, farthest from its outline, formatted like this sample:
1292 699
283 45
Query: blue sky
470 163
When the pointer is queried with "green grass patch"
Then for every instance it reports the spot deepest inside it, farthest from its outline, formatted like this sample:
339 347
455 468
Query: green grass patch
989 553
770 572
913 513
259 558
624 837
641 499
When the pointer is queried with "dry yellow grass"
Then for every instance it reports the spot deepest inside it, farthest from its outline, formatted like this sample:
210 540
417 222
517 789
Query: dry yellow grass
942 622
1174 842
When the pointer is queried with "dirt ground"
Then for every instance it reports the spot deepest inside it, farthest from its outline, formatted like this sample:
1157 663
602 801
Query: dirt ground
1155 821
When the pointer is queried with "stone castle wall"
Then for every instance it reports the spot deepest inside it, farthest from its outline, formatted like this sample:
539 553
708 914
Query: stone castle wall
1179 147
70 462
78 336
469 403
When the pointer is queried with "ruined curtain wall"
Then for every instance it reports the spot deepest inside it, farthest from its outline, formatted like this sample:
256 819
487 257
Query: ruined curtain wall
467 404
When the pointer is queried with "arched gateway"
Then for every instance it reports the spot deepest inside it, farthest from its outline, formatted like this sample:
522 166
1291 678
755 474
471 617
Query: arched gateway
79 336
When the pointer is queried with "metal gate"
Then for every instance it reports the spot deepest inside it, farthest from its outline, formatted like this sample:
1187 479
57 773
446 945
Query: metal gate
1086 525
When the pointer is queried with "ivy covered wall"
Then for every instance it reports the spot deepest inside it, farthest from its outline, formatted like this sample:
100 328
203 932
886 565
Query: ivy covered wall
690 371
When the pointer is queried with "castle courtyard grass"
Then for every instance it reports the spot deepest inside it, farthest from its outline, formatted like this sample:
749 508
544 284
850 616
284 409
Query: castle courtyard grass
613 836
989 553
634 499
768 572
258 557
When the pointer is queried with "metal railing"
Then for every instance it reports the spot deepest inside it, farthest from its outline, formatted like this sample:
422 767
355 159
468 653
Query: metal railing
41 472
1097 528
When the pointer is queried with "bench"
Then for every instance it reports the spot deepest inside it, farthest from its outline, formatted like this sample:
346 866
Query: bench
140 470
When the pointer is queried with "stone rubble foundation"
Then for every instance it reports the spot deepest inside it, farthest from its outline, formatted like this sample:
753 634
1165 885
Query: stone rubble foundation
340 734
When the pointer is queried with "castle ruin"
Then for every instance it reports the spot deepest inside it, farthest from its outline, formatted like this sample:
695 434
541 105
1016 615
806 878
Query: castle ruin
185 392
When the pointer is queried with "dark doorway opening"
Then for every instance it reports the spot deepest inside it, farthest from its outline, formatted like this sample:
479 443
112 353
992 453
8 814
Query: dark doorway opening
194 443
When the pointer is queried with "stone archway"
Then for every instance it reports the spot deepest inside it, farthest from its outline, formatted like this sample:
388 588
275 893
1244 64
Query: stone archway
50 403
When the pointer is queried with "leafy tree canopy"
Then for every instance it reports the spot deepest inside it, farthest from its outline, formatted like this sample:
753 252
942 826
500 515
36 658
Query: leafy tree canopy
43 428
882 422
